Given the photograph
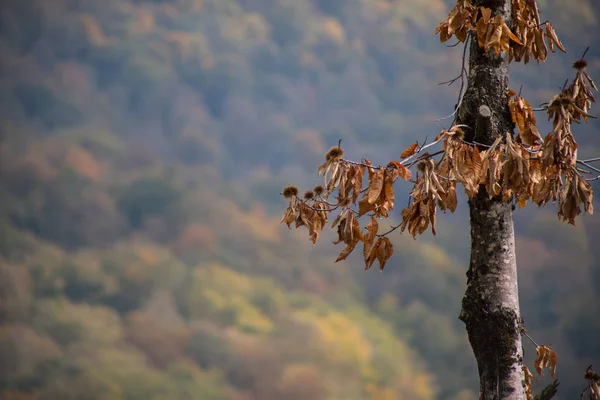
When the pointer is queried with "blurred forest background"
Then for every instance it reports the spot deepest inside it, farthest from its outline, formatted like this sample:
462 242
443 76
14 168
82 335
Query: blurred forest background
143 146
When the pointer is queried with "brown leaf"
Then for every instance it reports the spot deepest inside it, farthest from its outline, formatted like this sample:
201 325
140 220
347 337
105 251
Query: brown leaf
369 238
528 376
289 216
553 39
546 358
409 151
375 186
388 192
373 254
384 252
364 206
402 171
351 236
506 31
357 182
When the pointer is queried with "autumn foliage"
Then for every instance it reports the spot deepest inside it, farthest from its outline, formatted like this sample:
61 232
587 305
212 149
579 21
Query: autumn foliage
521 169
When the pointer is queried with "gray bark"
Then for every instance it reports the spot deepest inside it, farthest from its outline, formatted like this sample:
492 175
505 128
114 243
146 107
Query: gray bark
490 307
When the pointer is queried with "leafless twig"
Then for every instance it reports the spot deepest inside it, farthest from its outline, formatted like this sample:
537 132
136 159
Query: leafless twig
462 76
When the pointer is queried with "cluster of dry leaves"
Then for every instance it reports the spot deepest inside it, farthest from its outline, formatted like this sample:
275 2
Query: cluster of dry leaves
526 168
593 379
523 40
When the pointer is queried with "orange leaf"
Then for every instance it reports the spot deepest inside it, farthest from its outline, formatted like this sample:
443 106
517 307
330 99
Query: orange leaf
410 150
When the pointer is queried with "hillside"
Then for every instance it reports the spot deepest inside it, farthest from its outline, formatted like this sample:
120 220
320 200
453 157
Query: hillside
143 147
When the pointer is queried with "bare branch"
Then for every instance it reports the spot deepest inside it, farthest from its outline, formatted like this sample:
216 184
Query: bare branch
463 75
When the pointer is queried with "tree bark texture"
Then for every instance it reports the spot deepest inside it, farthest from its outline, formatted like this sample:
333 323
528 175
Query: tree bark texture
490 307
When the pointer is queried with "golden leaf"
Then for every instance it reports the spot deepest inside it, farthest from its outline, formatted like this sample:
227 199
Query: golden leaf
409 151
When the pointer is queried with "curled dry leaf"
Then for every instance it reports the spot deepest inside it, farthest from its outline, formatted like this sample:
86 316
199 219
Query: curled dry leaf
492 168
410 150
379 196
493 33
528 376
546 358
349 233
461 20
530 34
385 250
399 171
515 170
368 239
375 186
522 115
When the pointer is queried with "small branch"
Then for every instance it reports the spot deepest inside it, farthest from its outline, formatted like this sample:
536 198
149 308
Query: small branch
333 206
585 164
462 76
405 162
584 53
529 337
392 229
589 160
362 164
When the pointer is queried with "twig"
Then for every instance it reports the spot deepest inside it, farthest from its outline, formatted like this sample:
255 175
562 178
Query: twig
589 160
529 337
333 206
392 229
585 164
463 74
452 45
407 159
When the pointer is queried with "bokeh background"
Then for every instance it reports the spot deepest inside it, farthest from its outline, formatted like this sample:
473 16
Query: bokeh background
143 147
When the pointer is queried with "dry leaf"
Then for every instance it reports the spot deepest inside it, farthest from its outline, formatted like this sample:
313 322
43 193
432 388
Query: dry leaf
384 252
375 186
410 150
546 358
368 239
528 376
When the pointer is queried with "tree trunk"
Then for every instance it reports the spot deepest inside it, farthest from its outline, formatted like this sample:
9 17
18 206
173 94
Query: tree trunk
490 307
